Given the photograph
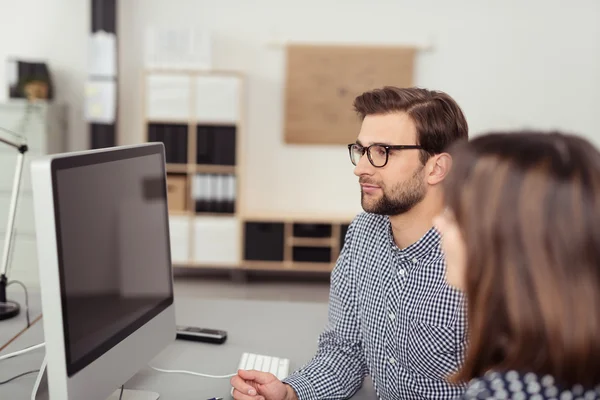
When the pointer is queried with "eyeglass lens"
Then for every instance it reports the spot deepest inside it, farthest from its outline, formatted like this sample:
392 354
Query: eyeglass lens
377 154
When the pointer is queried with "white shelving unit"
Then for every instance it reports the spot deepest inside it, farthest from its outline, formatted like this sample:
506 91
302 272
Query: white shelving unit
199 117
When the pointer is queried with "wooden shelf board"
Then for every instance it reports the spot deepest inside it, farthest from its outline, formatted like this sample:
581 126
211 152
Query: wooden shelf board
177 168
180 213
216 122
211 265
213 214
261 266
295 217
287 266
311 242
214 169
167 121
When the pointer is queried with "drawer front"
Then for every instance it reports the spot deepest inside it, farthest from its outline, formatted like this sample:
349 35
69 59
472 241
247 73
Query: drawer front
179 228
312 230
25 220
264 241
311 254
177 192
216 241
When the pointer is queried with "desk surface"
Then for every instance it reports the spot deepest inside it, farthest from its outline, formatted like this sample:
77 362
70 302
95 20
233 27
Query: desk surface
282 329
10 328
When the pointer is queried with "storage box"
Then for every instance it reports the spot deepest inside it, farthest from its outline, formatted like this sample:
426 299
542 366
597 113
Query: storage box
216 241
264 241
177 192
179 228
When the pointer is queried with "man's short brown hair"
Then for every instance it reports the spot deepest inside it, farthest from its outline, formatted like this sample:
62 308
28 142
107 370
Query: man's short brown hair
438 118
528 207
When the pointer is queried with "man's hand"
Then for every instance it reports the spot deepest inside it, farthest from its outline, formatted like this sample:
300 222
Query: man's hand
255 385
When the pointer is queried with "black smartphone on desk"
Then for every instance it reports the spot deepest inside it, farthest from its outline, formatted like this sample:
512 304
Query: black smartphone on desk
198 334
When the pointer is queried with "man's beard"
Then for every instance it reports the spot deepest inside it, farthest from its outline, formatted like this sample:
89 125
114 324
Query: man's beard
400 199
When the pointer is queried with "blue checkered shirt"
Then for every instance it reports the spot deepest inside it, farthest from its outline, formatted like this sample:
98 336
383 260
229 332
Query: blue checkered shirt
391 316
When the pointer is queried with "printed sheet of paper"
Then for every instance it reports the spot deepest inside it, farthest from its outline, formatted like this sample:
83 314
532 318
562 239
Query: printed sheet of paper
101 101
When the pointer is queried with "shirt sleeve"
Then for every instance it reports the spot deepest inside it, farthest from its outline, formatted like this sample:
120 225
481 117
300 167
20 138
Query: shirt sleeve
338 368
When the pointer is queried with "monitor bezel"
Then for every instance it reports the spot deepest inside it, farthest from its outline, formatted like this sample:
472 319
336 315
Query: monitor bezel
82 160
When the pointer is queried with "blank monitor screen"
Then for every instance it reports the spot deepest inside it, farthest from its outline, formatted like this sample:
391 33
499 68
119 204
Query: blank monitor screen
113 246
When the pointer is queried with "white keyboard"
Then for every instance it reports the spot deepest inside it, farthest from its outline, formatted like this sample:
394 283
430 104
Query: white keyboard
280 367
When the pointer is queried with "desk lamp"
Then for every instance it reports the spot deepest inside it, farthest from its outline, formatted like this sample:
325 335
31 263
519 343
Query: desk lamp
10 309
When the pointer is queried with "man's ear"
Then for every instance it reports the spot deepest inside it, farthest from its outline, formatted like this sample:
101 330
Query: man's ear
438 168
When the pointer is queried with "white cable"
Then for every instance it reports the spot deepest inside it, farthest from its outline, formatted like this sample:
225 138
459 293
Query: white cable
193 373
25 350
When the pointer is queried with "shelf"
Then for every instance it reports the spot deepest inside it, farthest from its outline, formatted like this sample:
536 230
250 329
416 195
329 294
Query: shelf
295 217
206 122
215 265
311 242
215 169
177 168
201 169
212 214
168 121
180 213
287 266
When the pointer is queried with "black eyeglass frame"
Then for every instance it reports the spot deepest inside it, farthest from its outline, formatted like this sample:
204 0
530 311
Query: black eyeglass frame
387 148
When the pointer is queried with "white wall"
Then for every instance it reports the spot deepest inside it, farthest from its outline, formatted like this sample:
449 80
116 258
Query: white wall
508 63
55 31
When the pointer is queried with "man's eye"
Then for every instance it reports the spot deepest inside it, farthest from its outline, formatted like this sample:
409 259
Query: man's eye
380 151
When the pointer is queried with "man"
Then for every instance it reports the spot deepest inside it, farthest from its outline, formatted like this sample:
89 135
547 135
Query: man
392 314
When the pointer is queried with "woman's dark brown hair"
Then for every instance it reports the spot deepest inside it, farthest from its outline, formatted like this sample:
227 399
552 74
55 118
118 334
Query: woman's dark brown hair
528 206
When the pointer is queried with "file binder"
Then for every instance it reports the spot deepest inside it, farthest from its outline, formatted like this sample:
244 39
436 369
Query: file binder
214 193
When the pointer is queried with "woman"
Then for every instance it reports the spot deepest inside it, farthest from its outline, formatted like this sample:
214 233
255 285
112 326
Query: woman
522 239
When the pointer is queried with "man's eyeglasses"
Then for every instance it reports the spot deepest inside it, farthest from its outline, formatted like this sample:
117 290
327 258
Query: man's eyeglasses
377 154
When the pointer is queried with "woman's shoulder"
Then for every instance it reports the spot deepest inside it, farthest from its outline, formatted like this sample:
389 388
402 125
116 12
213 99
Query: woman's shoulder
525 386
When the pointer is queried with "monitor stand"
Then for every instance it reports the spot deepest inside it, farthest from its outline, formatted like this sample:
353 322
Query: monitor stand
40 389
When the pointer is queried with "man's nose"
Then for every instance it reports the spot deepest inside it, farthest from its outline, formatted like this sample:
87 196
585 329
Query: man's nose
363 166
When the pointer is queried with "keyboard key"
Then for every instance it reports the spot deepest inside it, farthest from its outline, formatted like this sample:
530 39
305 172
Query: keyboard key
258 363
251 361
274 365
243 361
284 366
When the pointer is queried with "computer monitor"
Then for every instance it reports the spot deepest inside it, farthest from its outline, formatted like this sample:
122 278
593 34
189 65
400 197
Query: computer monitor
105 266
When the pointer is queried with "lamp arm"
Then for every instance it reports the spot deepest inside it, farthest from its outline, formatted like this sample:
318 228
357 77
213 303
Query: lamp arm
13 208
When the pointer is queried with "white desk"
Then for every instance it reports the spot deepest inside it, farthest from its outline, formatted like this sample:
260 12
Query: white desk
9 328
274 328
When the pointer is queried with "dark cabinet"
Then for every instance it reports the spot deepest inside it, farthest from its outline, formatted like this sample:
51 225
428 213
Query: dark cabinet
264 241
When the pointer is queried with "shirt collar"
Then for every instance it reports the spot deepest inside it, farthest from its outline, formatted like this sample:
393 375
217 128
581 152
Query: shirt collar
430 241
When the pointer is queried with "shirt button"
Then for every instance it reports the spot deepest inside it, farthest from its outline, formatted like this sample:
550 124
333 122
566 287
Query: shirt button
414 260
401 272
392 360
392 316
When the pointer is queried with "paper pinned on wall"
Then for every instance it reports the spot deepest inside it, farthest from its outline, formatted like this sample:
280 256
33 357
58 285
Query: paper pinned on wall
178 48
102 57
100 101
